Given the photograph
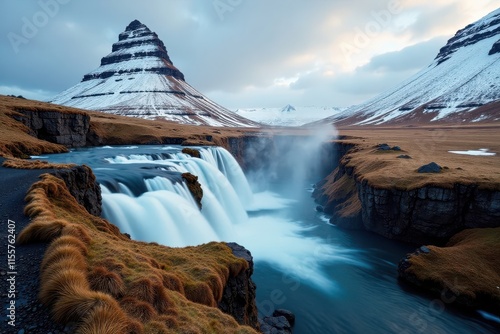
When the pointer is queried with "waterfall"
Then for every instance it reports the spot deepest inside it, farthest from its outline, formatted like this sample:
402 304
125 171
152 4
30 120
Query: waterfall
172 202
163 210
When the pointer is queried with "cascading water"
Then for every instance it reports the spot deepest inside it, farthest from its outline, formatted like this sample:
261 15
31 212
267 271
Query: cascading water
168 214
320 272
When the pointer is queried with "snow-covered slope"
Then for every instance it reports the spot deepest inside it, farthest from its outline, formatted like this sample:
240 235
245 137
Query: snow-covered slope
138 79
464 77
288 115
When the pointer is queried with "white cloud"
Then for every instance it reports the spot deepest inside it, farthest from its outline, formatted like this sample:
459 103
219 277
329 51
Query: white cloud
261 53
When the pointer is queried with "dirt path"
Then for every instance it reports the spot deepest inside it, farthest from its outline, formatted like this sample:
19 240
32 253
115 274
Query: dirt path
30 315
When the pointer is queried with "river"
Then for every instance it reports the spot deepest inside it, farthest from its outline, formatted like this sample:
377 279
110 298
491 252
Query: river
335 281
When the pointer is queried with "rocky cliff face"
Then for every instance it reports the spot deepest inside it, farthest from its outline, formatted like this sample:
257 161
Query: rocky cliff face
239 294
428 213
423 215
69 129
82 184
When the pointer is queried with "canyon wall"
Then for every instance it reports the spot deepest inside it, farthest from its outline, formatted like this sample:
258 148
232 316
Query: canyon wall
69 129
427 214
239 292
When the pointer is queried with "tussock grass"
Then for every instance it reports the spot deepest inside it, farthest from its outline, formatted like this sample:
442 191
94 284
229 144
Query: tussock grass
101 279
33 164
342 194
95 275
469 266
425 144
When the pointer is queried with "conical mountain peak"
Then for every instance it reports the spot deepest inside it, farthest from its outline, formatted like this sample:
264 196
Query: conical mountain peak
138 79
134 25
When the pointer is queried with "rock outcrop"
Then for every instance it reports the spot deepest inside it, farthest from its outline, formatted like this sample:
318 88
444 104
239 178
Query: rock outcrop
82 184
194 187
238 298
424 215
69 129
465 272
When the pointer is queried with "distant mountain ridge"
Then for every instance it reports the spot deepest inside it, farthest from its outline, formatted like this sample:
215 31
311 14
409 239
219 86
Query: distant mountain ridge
138 79
288 115
462 85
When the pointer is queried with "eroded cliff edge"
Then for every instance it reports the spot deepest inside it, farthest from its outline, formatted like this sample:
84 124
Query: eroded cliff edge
458 217
416 212
91 268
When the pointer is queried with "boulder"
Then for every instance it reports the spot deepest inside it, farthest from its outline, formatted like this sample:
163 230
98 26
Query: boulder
285 313
430 168
275 325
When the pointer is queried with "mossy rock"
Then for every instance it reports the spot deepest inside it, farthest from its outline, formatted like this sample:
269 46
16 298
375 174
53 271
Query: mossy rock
194 187
192 152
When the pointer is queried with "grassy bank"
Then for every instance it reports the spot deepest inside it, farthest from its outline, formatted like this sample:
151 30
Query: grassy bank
466 271
97 277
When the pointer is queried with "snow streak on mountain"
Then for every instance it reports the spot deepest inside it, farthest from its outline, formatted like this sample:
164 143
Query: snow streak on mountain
461 85
138 79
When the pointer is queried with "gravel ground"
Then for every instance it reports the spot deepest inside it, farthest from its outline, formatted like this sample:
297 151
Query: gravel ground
30 315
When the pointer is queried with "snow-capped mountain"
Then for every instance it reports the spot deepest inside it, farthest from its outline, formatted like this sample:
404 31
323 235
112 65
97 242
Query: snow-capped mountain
288 115
138 79
461 85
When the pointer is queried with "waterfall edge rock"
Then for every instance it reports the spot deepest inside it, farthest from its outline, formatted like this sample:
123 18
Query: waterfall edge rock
239 294
82 184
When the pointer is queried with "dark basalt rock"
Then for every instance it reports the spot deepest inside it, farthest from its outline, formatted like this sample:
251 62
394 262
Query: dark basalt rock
495 48
404 156
383 147
285 313
386 147
471 34
238 298
426 215
430 168
82 184
275 325
69 129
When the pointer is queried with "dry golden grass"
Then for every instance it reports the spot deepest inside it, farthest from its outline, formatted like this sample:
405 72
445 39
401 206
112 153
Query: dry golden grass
342 191
33 164
111 284
425 144
15 140
469 265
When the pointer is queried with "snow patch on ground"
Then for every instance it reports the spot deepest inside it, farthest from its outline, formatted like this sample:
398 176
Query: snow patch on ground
480 152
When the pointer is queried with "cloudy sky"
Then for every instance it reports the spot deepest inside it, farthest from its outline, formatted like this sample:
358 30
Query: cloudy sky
240 53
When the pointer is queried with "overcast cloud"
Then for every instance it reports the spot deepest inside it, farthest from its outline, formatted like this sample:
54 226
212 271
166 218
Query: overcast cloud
240 53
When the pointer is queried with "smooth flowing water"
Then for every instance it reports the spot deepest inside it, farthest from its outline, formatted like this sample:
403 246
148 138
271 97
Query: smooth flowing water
335 281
